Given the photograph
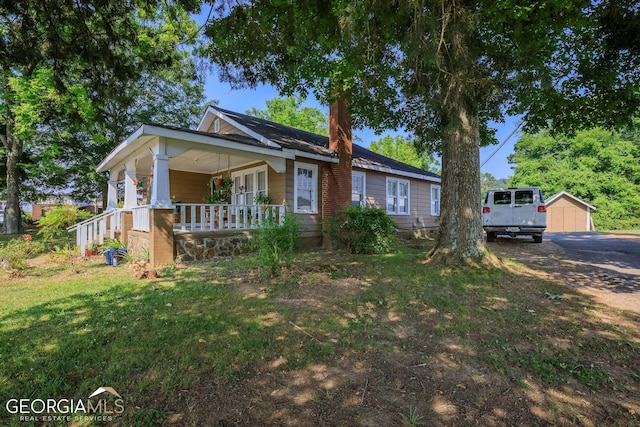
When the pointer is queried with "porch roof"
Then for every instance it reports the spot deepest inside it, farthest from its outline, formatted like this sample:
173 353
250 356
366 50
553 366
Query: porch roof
183 143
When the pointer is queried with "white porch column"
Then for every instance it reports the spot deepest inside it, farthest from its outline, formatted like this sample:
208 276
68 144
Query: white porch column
160 190
130 188
112 190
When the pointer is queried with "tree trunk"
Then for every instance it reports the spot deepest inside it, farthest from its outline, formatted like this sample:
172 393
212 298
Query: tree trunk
14 145
460 237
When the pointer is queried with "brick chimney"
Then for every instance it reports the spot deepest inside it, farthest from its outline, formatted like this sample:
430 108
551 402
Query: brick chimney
336 177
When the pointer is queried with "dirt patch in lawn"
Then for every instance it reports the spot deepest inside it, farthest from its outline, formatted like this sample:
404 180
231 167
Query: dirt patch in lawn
379 346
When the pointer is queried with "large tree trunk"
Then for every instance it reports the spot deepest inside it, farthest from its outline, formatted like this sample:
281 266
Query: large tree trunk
14 146
460 238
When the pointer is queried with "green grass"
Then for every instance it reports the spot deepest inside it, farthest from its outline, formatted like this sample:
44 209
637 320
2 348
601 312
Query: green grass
197 328
101 327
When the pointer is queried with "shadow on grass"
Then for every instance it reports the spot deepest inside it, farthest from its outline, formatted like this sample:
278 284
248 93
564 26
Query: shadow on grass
147 340
338 339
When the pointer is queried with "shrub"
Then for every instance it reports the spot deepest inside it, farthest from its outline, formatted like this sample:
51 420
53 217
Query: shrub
362 230
276 242
57 220
13 257
27 218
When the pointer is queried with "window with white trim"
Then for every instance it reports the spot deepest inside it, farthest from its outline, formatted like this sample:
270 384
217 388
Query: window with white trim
247 183
435 200
358 188
397 196
305 188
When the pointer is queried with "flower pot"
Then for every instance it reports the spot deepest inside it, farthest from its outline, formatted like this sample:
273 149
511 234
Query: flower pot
90 252
217 182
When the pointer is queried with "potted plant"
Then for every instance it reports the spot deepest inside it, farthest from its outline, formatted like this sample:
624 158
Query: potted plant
220 192
217 181
114 251
92 249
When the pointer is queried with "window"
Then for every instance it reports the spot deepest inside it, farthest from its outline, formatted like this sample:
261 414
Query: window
358 188
397 196
524 197
435 200
247 183
305 196
502 198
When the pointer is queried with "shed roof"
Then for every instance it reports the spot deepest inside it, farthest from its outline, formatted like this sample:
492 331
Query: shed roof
557 196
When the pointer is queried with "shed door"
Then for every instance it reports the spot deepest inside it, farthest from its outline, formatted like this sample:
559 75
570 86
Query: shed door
564 218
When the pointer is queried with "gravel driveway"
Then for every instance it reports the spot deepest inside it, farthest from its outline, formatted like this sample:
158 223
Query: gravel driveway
605 266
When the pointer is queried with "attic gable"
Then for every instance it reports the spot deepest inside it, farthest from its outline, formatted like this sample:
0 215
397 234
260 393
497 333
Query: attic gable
214 121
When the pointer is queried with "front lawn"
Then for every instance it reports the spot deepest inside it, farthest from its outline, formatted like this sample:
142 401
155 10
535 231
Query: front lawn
337 339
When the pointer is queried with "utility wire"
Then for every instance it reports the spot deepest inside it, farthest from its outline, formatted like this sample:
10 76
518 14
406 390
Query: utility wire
513 132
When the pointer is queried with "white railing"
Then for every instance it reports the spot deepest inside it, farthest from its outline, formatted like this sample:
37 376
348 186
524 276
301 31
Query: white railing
218 217
141 218
95 228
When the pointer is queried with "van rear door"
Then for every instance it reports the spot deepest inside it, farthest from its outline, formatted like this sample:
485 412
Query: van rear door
525 207
501 212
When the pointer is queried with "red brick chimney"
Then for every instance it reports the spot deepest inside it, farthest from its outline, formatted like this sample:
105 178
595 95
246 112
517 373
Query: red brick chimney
336 178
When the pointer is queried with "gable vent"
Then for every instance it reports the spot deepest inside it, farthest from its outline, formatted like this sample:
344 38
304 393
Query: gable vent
216 126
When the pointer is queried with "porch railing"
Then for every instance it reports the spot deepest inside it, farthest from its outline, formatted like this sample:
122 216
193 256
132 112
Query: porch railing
95 228
203 217
140 216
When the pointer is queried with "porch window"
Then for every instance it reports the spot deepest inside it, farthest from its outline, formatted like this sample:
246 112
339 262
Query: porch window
305 195
435 200
397 196
247 183
358 188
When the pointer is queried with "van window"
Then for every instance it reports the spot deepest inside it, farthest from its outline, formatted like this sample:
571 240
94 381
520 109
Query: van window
502 198
524 197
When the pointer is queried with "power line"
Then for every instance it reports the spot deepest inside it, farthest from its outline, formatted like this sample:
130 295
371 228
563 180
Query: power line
516 129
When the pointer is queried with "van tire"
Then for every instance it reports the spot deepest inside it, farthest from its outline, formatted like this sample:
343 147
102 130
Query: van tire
537 239
491 236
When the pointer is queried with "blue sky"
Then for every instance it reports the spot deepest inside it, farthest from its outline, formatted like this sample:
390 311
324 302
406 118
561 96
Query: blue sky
243 100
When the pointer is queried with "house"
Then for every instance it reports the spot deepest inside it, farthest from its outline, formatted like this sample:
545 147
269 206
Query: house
41 208
566 212
168 171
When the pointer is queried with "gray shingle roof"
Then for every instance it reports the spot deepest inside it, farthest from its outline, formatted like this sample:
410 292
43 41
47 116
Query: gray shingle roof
297 139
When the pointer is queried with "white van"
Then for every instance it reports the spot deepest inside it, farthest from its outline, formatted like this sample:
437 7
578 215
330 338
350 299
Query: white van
515 212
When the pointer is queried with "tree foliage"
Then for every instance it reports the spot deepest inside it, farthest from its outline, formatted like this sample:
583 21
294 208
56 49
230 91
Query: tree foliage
488 181
443 70
598 166
398 148
289 111
63 65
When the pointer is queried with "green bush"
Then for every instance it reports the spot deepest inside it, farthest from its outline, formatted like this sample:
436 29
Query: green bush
26 217
276 242
57 220
362 230
13 257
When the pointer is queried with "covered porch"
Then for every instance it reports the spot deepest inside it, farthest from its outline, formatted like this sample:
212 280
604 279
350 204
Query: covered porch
161 185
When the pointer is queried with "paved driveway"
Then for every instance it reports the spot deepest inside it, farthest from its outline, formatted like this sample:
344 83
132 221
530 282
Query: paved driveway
608 252
603 265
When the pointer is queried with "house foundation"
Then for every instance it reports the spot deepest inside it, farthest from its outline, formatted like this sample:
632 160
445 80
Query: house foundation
207 245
